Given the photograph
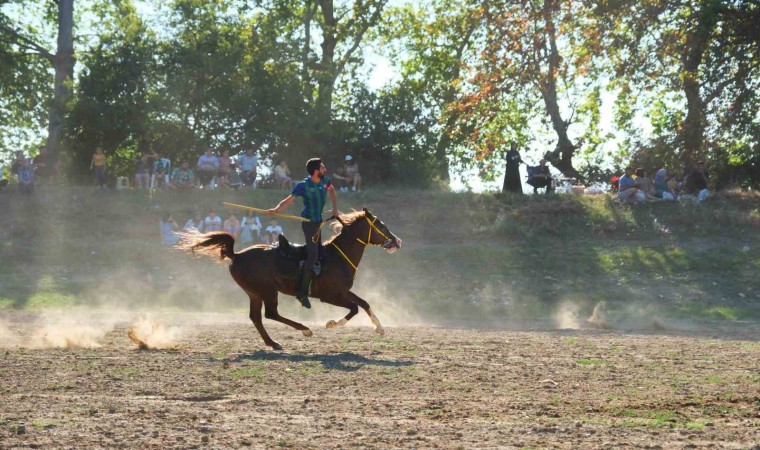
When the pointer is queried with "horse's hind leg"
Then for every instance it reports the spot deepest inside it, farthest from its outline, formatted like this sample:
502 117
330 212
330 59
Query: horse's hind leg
255 315
365 306
270 312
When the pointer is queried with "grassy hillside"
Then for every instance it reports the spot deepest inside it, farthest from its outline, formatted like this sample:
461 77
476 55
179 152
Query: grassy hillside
467 257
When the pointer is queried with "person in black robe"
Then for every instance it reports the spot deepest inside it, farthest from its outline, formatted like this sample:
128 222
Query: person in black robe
512 181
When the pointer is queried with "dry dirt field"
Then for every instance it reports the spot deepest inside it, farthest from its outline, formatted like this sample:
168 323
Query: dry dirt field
415 387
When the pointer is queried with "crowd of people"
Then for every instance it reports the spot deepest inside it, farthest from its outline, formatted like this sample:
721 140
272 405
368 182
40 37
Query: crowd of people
248 230
636 187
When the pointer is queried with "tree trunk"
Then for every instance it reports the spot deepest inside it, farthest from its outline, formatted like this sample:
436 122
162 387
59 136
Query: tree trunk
327 73
562 157
63 62
305 74
692 128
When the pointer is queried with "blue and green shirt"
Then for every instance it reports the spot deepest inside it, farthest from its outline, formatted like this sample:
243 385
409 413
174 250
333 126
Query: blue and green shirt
314 197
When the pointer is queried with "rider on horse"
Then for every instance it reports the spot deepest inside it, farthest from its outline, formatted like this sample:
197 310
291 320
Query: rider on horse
313 190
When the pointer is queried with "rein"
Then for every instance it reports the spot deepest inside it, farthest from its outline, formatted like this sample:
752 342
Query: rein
369 236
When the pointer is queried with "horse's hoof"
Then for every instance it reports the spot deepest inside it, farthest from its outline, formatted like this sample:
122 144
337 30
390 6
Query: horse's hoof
380 331
276 346
331 324
307 333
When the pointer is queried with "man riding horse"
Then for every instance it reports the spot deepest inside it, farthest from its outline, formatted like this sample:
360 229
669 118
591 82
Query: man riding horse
313 190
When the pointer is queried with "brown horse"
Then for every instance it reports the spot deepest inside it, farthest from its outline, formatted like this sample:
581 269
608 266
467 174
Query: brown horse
258 270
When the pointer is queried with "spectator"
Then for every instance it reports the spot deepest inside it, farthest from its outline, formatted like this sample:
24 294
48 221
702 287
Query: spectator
45 165
628 190
232 225
282 176
342 181
540 177
248 163
272 233
512 182
182 177
208 164
212 222
696 182
142 172
194 223
250 229
99 164
224 166
26 177
18 159
233 177
646 185
168 230
661 186
161 167
3 181
353 177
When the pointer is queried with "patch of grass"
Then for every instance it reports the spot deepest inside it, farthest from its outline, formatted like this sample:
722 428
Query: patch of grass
44 424
311 368
714 379
51 299
750 346
123 372
571 341
591 362
254 372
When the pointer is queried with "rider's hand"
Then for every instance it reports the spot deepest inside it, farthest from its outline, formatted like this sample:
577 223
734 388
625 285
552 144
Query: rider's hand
271 211
335 213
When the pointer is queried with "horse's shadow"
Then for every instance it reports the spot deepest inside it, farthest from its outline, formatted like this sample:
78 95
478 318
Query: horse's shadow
343 361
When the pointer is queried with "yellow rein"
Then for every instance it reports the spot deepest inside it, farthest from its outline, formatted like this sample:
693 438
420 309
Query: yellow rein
369 236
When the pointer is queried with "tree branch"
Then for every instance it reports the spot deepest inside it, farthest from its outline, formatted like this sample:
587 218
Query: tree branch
359 36
24 42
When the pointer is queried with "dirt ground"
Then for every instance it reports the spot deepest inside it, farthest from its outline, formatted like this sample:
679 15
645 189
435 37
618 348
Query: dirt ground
415 387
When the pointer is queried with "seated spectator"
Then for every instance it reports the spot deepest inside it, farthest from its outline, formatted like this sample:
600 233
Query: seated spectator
232 225
272 233
212 222
142 172
195 223
182 177
540 177
248 162
628 190
339 179
3 181
168 230
26 177
225 162
696 182
661 187
282 176
161 171
250 229
98 163
352 174
16 163
646 185
208 165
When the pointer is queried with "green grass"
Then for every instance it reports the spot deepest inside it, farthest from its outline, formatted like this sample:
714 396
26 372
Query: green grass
591 362
254 372
497 257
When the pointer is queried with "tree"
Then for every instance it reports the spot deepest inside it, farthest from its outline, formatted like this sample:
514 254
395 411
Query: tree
529 53
62 61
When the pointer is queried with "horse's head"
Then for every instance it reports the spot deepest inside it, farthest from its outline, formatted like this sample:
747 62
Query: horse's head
379 234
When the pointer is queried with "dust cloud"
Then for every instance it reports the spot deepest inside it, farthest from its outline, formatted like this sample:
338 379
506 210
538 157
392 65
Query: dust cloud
149 334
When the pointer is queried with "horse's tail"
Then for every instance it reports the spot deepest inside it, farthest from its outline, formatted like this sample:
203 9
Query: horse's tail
212 244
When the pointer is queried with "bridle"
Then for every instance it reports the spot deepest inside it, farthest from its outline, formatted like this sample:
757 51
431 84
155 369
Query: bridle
372 227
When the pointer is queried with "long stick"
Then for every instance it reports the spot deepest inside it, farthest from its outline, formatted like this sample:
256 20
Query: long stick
264 211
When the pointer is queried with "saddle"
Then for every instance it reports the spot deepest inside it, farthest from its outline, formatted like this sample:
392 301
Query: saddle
289 258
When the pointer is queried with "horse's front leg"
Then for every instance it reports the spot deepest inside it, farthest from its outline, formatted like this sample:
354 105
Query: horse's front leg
270 312
343 301
355 299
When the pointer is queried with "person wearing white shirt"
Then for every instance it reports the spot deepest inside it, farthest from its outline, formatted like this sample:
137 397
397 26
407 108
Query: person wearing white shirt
208 164
248 162
273 232
250 229
212 222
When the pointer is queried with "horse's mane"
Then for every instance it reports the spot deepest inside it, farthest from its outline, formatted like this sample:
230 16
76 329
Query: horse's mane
346 220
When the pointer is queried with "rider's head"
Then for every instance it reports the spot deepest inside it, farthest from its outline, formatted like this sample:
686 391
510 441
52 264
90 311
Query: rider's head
312 165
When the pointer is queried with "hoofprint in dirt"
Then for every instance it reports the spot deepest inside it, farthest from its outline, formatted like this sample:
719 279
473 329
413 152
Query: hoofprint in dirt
415 387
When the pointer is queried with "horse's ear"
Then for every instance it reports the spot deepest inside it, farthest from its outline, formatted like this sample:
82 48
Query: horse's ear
366 211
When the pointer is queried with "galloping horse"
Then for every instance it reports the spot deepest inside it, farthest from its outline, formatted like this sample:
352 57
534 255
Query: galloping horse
259 273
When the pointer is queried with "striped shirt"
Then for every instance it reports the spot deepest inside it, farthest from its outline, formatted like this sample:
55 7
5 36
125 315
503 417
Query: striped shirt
314 197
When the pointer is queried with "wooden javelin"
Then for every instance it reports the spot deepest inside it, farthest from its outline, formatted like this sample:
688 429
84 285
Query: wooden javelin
264 211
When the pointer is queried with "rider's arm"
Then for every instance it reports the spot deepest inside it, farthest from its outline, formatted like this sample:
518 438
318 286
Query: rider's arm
333 199
283 205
